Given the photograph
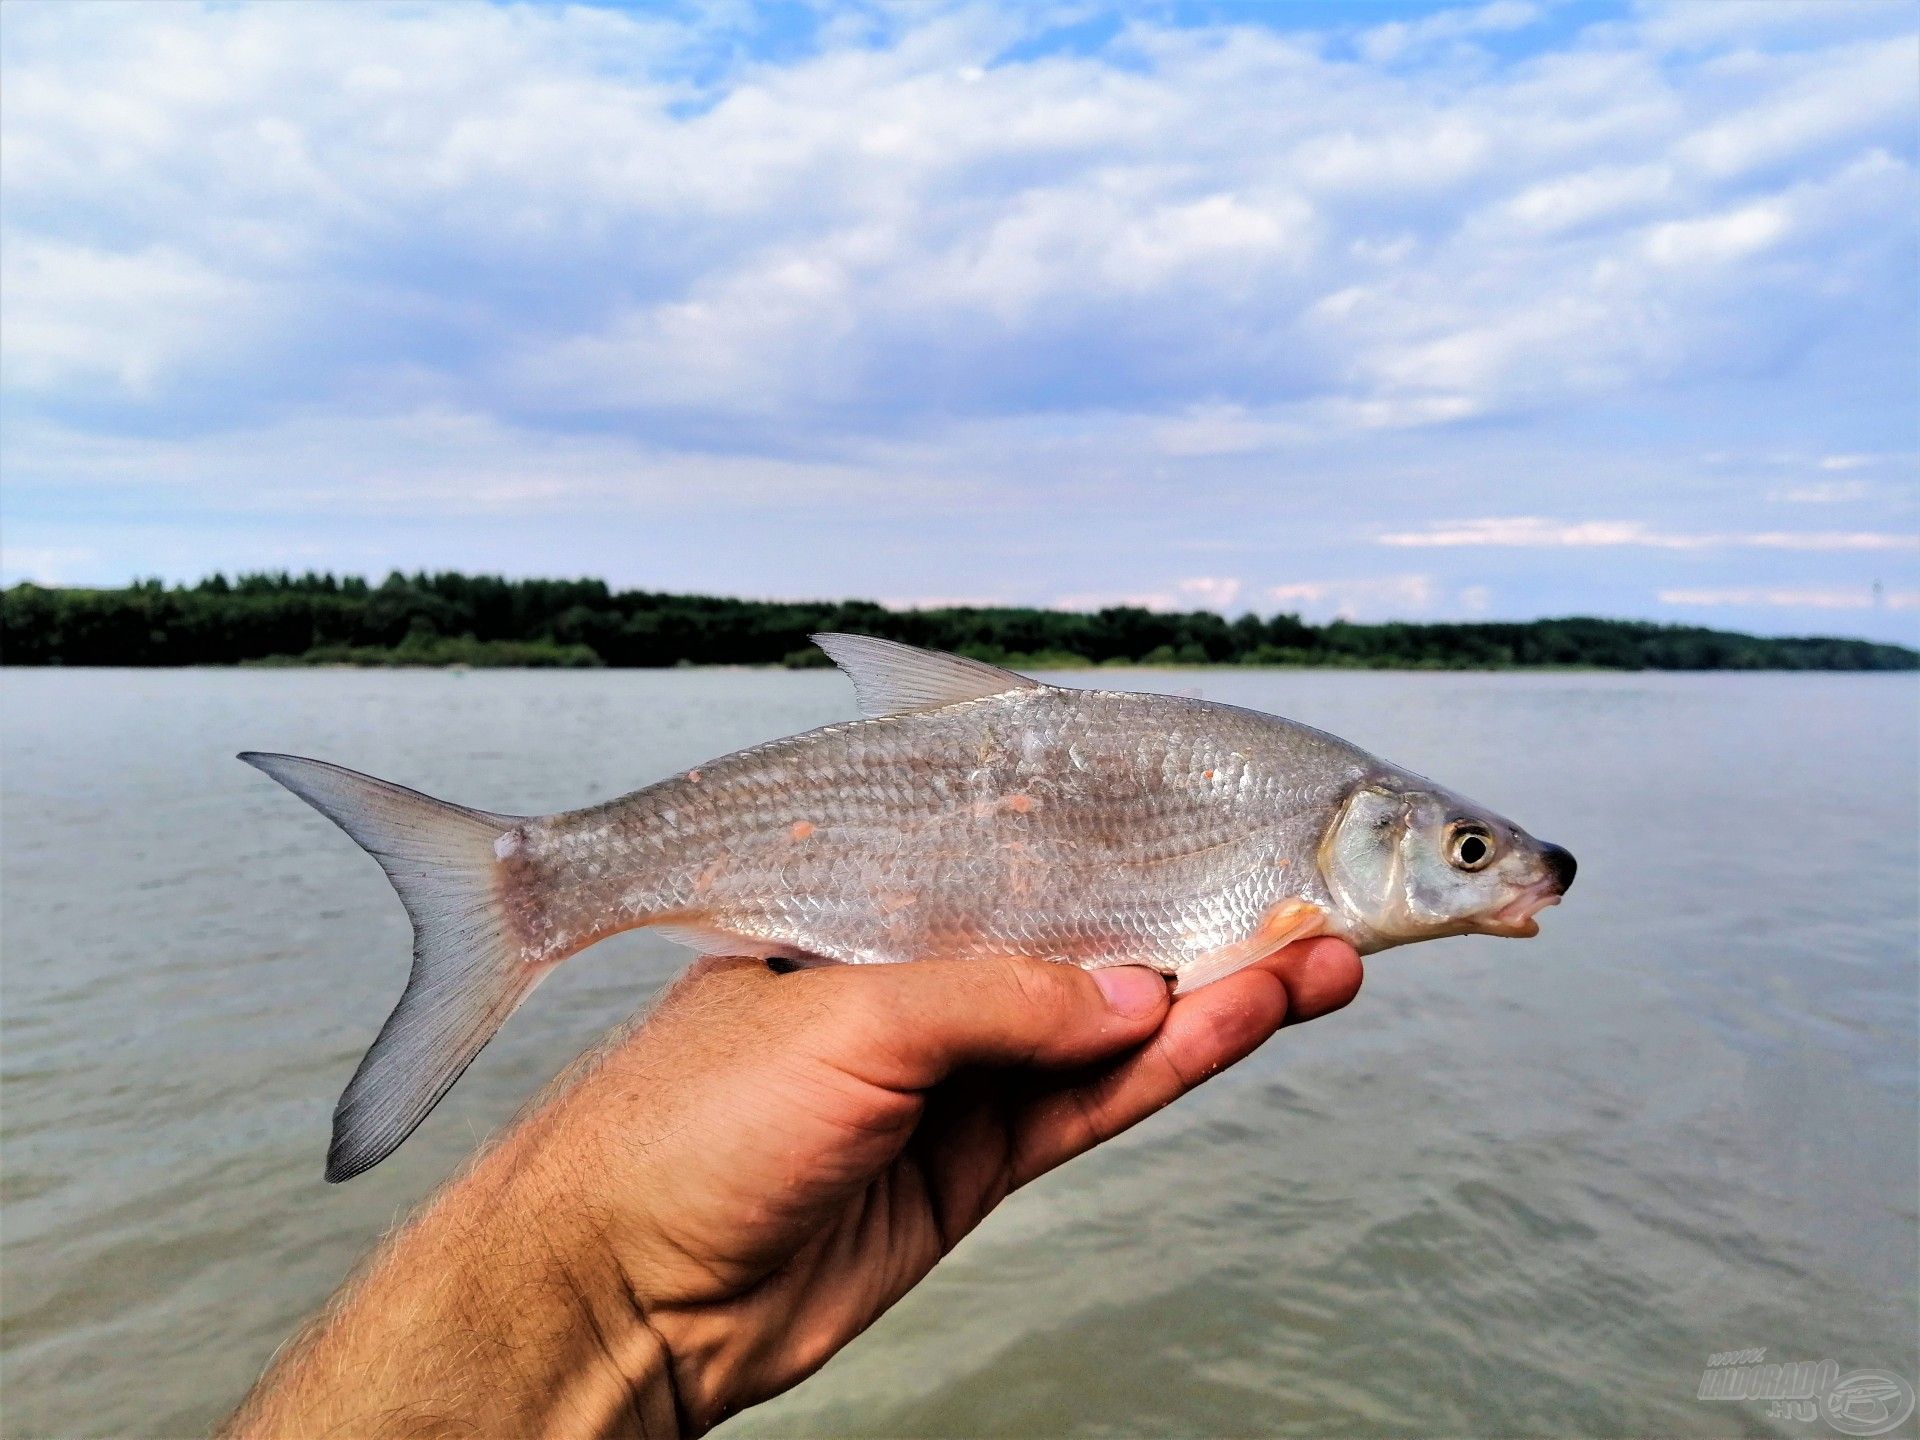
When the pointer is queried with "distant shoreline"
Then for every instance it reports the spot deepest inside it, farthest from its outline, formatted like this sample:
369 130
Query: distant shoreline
437 621
1224 667
337 667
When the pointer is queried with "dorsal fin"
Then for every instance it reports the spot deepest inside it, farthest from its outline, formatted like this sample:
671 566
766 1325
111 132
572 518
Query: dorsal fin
890 678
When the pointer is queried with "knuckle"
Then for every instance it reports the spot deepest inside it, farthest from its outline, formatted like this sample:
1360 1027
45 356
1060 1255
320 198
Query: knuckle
1037 985
1096 1122
1181 1074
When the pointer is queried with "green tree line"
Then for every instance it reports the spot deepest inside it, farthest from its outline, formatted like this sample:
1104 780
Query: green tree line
485 619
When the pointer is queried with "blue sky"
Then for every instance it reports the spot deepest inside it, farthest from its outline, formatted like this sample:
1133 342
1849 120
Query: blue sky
1399 310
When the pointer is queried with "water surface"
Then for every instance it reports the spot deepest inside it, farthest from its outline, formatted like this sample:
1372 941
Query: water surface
1515 1188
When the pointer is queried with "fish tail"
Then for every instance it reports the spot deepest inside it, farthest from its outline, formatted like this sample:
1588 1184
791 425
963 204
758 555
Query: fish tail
469 971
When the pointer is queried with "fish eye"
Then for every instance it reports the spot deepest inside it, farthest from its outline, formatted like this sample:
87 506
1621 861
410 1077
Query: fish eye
1469 846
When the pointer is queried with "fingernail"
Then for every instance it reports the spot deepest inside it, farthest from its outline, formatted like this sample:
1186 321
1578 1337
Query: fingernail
1131 990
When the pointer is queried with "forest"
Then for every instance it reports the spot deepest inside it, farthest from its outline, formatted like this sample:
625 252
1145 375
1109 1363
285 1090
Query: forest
485 620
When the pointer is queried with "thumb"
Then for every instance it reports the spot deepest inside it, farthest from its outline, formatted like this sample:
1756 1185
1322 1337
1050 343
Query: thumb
908 1027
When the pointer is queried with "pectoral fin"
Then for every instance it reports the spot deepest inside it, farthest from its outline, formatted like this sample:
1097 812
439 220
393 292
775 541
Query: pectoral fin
1285 923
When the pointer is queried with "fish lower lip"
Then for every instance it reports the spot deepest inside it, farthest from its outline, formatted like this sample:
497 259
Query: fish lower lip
1517 918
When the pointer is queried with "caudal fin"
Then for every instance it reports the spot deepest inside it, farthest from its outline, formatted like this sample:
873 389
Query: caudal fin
468 973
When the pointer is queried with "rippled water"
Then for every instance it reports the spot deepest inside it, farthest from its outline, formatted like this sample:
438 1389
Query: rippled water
1515 1188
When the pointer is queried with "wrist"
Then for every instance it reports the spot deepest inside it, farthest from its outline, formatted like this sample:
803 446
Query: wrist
542 1276
490 1312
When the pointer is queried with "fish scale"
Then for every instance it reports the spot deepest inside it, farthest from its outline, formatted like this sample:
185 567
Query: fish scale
973 813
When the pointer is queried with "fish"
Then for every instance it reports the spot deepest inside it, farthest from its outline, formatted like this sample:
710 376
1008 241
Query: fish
970 812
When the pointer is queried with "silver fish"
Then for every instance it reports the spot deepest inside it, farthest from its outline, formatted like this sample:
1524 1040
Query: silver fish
972 812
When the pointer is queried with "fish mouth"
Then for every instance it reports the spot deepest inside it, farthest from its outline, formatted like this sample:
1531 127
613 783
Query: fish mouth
1515 919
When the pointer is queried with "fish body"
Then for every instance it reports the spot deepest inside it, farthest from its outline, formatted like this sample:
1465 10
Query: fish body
972 813
1095 827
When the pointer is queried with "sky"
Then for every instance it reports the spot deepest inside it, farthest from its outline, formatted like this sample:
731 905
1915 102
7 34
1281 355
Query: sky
1402 311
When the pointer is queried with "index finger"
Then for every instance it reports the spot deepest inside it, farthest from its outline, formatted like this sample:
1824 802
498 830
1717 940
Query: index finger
1203 1034
907 1027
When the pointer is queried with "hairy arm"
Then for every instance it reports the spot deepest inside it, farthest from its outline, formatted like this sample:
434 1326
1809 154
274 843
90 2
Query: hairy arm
481 1316
699 1215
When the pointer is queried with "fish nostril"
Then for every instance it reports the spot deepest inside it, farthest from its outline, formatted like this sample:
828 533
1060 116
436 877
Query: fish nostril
1562 864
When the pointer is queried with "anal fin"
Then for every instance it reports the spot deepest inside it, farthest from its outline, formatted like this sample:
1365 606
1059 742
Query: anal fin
706 935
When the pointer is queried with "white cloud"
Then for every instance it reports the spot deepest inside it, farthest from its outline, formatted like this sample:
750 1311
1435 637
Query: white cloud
942 602
1691 24
1024 326
1405 158
46 564
1718 239
1223 430
1589 196
1863 87
533 210
1386 43
1824 492
1213 592
1380 597
1612 305
1828 540
1202 592
1539 532
1794 598
78 317
432 461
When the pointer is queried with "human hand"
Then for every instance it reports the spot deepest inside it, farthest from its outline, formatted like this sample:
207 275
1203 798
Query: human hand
729 1191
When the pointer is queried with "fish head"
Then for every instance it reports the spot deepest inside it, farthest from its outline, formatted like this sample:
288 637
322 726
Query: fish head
1406 860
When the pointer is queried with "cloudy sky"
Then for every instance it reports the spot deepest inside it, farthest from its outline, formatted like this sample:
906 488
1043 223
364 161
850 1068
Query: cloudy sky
1406 310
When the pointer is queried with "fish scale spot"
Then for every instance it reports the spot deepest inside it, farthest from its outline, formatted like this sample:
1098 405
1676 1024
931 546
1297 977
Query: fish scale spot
801 829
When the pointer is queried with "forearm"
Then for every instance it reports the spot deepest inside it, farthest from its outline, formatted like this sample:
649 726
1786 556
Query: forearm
697 1216
491 1312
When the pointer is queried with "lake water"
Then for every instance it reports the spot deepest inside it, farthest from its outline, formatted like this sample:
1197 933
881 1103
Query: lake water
1515 1188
